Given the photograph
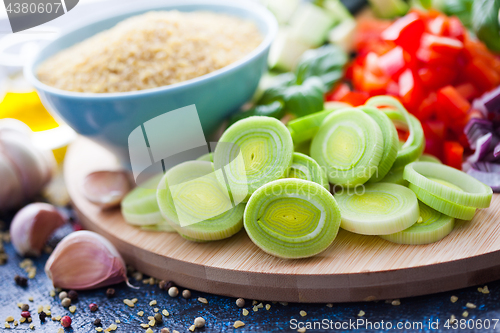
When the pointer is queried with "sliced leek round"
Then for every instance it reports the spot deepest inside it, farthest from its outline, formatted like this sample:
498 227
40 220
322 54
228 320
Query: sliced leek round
252 152
199 207
429 158
378 209
209 157
304 128
415 144
391 143
443 206
431 227
140 207
395 176
449 184
304 167
292 218
349 145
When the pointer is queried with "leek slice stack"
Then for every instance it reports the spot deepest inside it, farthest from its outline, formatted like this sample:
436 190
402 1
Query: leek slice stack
349 145
391 144
431 227
199 207
292 218
252 152
415 144
447 190
140 207
304 167
381 209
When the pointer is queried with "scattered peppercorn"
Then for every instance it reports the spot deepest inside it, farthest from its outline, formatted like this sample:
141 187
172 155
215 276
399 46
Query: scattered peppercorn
21 281
66 302
165 285
42 316
186 293
93 307
110 293
25 314
173 292
63 295
199 322
158 318
97 322
73 295
66 321
25 307
240 302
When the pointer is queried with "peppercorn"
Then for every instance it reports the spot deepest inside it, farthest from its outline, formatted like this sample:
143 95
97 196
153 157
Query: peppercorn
42 316
158 318
186 293
21 281
66 321
73 295
110 292
240 302
63 295
93 307
25 314
66 302
97 322
25 307
165 285
173 292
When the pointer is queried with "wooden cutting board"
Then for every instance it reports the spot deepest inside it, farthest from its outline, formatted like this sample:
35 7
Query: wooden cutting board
353 268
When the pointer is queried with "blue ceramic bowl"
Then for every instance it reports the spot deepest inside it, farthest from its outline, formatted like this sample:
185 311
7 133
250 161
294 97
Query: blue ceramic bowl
109 118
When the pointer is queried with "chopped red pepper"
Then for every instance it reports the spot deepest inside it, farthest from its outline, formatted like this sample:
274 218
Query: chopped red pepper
405 31
450 104
410 88
453 154
355 98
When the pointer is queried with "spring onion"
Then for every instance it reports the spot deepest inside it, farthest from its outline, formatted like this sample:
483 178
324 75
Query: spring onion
378 209
391 144
304 167
253 152
431 227
349 145
292 218
452 185
200 208
415 144
140 206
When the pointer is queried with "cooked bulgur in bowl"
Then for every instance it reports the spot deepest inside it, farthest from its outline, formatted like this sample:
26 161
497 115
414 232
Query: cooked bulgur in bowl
151 50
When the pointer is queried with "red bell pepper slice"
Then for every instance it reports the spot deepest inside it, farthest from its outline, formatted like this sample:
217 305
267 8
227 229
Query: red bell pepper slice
355 98
338 92
455 28
478 72
433 58
453 154
427 108
405 31
393 62
410 89
450 104
467 90
435 77
444 45
437 26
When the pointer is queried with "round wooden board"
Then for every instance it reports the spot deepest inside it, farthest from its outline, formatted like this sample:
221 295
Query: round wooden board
353 268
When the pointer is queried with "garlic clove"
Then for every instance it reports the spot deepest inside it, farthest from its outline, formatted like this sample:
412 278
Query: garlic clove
32 226
26 159
106 188
85 260
11 194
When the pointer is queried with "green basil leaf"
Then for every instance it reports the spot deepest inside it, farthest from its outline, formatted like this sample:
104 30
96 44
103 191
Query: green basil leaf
485 22
326 62
306 98
276 91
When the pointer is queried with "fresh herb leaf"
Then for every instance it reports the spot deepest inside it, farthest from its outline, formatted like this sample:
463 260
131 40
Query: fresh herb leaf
485 22
306 98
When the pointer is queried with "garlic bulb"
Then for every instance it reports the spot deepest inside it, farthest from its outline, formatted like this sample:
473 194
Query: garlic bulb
32 226
85 260
106 188
25 168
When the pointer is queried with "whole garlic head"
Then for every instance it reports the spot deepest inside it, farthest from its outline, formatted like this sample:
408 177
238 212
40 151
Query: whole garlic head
32 226
85 260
